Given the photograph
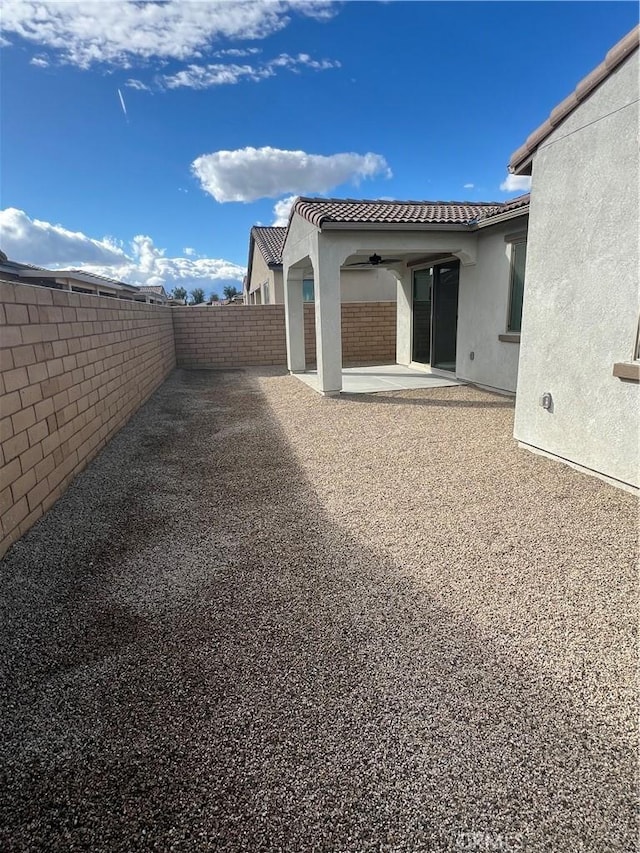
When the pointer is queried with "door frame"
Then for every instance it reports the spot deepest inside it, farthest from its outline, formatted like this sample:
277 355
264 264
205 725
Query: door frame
418 365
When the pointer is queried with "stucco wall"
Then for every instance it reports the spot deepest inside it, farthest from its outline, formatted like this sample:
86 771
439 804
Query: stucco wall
483 306
276 290
369 285
259 270
581 301
73 369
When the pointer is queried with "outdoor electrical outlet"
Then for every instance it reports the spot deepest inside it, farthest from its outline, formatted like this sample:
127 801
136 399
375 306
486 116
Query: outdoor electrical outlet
546 401
472 355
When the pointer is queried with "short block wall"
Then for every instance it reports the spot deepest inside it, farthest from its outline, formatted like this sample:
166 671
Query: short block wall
230 336
73 369
368 332
246 335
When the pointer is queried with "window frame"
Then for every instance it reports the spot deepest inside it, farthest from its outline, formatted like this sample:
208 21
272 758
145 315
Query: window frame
515 240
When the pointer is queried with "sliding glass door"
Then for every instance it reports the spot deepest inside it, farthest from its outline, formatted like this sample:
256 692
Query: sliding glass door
435 315
445 315
422 287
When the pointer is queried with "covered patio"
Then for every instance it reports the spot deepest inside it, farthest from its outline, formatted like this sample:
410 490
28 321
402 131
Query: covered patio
432 250
323 239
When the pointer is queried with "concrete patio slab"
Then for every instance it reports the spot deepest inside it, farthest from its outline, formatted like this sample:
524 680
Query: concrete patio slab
372 379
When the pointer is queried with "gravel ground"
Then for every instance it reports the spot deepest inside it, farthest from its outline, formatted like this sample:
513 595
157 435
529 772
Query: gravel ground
263 620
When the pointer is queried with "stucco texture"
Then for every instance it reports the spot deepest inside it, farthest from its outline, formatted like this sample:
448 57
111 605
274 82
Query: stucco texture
581 303
483 307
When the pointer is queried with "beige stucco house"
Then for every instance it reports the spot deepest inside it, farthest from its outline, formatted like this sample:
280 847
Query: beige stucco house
263 284
458 268
578 383
75 281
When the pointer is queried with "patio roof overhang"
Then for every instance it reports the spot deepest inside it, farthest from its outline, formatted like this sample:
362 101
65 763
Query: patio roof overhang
327 247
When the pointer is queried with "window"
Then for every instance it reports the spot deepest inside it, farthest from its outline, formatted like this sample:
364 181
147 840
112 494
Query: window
518 260
308 293
265 293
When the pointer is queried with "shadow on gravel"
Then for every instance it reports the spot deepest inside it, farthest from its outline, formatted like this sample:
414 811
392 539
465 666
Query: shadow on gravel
196 658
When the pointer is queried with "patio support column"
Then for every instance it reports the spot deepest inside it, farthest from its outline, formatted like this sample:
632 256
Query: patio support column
294 320
404 316
328 319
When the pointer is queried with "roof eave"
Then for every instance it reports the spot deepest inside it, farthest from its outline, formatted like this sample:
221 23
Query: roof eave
502 217
521 159
252 244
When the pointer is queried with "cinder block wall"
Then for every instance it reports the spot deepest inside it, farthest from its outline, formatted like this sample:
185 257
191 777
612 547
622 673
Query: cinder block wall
368 332
230 336
73 369
244 335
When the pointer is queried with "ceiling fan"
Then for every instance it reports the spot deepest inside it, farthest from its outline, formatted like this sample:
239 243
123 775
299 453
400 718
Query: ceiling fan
374 261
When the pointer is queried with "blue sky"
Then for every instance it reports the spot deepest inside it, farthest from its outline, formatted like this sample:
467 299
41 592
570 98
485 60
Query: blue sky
142 140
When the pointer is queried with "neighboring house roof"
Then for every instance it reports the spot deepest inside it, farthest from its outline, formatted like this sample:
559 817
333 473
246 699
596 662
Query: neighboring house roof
32 272
269 240
320 211
16 266
153 288
521 159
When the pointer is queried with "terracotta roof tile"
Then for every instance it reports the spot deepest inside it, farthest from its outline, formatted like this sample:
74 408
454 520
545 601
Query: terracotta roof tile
619 52
517 203
321 210
269 240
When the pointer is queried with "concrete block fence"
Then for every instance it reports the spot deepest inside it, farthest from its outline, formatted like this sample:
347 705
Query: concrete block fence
230 336
244 335
74 368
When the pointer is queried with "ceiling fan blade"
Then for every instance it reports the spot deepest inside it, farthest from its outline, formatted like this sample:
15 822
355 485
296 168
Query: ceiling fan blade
390 261
359 264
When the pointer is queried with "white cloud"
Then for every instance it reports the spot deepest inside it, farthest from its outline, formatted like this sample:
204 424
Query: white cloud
219 74
85 32
189 251
237 51
39 62
282 209
41 243
516 183
469 186
251 173
205 76
137 84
